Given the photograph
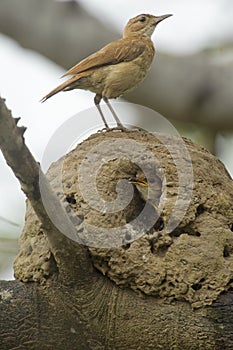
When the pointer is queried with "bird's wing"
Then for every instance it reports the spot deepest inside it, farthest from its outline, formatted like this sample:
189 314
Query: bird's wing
122 50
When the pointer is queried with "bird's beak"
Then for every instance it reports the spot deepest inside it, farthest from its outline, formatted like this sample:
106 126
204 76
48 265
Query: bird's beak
161 18
135 181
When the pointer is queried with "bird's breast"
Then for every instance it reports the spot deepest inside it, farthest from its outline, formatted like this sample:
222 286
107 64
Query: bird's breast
123 77
145 59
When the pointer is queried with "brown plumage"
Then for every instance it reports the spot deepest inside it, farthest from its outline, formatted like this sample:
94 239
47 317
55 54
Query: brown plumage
116 68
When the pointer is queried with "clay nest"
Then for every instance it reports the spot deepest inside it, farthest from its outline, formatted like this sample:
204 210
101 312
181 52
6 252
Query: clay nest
175 242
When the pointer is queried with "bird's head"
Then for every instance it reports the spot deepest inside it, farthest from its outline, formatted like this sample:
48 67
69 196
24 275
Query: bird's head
140 182
148 189
143 25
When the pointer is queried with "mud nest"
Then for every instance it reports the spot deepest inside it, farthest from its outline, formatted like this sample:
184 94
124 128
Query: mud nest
175 242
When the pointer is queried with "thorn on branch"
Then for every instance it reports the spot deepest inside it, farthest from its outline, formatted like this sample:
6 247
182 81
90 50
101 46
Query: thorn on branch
22 130
17 120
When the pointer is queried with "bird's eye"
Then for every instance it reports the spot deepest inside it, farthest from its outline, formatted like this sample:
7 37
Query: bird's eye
142 19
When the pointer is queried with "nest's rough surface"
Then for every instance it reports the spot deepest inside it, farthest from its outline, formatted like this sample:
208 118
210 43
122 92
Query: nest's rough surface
177 252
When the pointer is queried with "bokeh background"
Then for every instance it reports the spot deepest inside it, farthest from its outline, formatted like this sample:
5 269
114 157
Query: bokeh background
191 81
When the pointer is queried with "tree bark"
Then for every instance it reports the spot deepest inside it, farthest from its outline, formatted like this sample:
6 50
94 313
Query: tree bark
195 88
79 308
106 317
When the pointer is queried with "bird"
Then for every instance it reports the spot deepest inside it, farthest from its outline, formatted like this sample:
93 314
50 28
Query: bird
116 68
150 191
142 184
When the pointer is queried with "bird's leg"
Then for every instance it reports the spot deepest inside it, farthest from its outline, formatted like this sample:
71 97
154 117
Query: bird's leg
97 100
120 126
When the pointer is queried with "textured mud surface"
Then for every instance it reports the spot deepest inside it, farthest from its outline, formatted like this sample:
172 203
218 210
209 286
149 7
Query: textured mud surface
182 246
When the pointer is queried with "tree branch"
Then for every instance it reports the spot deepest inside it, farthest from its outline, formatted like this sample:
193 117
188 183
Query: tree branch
61 31
32 180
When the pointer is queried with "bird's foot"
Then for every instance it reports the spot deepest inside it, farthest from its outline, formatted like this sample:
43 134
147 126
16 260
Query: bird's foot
104 129
119 128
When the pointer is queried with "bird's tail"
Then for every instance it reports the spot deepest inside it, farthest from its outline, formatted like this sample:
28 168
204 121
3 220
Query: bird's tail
67 85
